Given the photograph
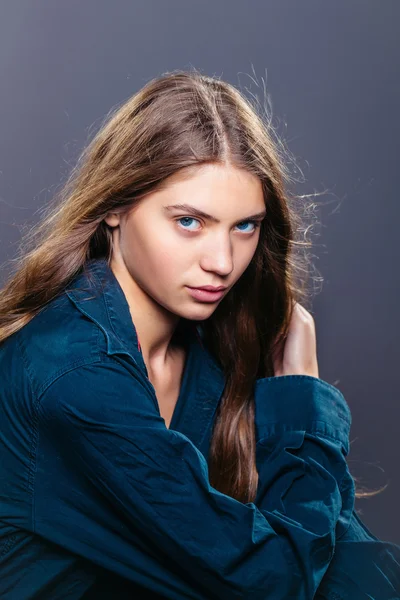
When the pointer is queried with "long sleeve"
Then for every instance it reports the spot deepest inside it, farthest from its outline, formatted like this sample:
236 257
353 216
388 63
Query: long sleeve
302 430
117 487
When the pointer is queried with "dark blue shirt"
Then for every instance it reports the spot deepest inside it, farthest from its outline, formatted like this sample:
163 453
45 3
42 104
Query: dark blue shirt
99 499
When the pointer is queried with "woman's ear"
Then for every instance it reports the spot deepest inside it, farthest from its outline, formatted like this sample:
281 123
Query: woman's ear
112 219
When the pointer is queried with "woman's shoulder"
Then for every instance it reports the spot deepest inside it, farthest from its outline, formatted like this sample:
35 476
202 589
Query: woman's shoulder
56 339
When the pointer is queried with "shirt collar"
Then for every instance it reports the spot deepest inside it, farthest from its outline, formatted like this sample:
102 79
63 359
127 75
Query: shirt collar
97 294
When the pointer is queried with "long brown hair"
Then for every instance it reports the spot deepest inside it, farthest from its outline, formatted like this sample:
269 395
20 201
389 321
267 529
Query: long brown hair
181 120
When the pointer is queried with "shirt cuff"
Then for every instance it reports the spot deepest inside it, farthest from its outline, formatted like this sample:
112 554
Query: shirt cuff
301 402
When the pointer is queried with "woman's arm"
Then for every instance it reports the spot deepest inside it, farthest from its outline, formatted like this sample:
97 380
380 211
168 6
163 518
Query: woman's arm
117 487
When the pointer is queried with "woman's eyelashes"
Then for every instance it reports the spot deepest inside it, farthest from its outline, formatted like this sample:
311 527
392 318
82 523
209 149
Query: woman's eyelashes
255 223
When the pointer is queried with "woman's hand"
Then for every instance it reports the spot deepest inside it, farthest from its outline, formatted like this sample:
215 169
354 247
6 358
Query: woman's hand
300 351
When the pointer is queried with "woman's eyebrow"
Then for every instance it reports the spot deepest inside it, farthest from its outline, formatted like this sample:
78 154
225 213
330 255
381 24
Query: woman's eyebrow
199 213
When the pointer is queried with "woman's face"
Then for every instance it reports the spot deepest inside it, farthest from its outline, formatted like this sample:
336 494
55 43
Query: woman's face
164 249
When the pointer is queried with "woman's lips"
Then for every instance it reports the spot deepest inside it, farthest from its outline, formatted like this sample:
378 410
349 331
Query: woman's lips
205 295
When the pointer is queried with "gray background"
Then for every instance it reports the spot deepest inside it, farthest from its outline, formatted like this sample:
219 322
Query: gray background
332 76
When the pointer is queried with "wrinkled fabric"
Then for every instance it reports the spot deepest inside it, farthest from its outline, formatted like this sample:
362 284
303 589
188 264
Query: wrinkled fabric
362 567
99 499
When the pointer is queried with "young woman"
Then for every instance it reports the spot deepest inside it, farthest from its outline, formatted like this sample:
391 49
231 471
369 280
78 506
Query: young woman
158 440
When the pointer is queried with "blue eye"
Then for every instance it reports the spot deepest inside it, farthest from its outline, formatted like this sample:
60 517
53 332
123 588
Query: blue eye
255 223
186 219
